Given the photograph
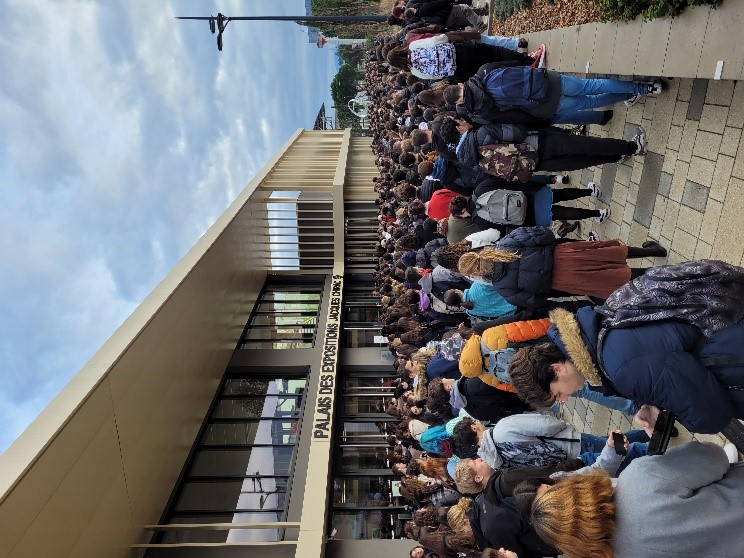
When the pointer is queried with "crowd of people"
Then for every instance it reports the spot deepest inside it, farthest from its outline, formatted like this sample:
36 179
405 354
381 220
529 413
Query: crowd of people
495 314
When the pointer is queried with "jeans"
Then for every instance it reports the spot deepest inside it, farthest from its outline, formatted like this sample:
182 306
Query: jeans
579 96
610 401
595 444
497 40
635 449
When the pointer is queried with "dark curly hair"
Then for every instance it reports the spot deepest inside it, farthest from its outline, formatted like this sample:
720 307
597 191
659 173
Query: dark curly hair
449 254
457 205
531 371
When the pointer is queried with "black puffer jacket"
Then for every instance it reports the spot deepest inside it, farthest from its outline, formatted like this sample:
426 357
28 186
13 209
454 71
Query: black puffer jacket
486 402
488 134
527 281
496 522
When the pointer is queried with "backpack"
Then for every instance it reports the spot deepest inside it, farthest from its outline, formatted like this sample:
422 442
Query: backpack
514 162
708 294
502 207
498 361
517 87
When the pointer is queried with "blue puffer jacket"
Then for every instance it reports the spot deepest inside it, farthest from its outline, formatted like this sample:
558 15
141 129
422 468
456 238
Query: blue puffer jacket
664 364
526 282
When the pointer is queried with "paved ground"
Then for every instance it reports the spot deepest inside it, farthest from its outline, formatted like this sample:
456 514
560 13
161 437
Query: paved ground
688 191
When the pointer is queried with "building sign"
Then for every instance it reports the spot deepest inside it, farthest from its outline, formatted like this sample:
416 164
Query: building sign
327 388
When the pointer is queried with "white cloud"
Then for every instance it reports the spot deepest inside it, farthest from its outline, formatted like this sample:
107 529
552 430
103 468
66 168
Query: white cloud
123 135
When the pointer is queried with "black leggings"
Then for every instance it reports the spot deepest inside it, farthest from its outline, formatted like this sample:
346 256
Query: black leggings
571 213
562 151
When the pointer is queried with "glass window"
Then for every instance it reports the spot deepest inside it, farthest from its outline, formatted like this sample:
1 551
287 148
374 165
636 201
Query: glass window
239 471
286 316
241 462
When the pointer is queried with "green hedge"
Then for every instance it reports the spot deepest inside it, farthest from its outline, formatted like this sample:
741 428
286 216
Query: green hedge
625 10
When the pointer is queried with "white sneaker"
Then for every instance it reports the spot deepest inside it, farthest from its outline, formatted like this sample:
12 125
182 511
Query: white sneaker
596 190
640 141
731 452
632 101
655 88
561 179
604 214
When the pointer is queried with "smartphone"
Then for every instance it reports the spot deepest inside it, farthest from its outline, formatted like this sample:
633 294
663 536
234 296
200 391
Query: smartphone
662 432
619 441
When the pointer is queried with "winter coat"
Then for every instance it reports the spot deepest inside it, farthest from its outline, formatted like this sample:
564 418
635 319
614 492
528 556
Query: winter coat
497 522
472 363
486 403
488 134
661 364
487 302
460 227
685 503
438 205
527 281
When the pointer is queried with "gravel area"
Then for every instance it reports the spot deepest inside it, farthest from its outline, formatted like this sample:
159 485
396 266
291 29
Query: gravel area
542 16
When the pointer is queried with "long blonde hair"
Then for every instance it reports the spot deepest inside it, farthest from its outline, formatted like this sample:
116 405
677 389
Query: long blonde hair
480 264
577 516
457 515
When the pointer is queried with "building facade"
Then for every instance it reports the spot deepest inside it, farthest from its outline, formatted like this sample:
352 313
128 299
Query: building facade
239 411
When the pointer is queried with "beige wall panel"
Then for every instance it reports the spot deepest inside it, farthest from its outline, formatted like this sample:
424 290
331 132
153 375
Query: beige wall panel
110 528
59 524
23 503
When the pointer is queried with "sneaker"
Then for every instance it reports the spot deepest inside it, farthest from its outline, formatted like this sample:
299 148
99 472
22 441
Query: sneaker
632 101
561 179
654 88
596 190
593 236
731 452
522 43
604 214
640 141
539 57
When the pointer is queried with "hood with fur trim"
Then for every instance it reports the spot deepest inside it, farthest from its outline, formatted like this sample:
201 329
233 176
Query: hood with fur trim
573 345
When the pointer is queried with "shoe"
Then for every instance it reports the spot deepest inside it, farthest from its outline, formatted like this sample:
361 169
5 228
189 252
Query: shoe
522 43
632 101
561 179
640 141
596 190
731 452
604 214
606 118
593 236
655 88
660 251
539 57
567 227
579 130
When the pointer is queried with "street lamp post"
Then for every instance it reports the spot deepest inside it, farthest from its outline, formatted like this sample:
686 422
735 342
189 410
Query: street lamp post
219 23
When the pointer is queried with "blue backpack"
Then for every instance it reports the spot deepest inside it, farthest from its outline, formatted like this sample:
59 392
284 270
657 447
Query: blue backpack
521 86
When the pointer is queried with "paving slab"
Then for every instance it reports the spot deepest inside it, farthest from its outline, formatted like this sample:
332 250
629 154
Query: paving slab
685 42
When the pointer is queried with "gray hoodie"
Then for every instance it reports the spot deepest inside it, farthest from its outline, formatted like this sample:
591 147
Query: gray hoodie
685 503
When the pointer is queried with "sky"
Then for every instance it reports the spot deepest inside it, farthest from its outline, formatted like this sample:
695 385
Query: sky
124 134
